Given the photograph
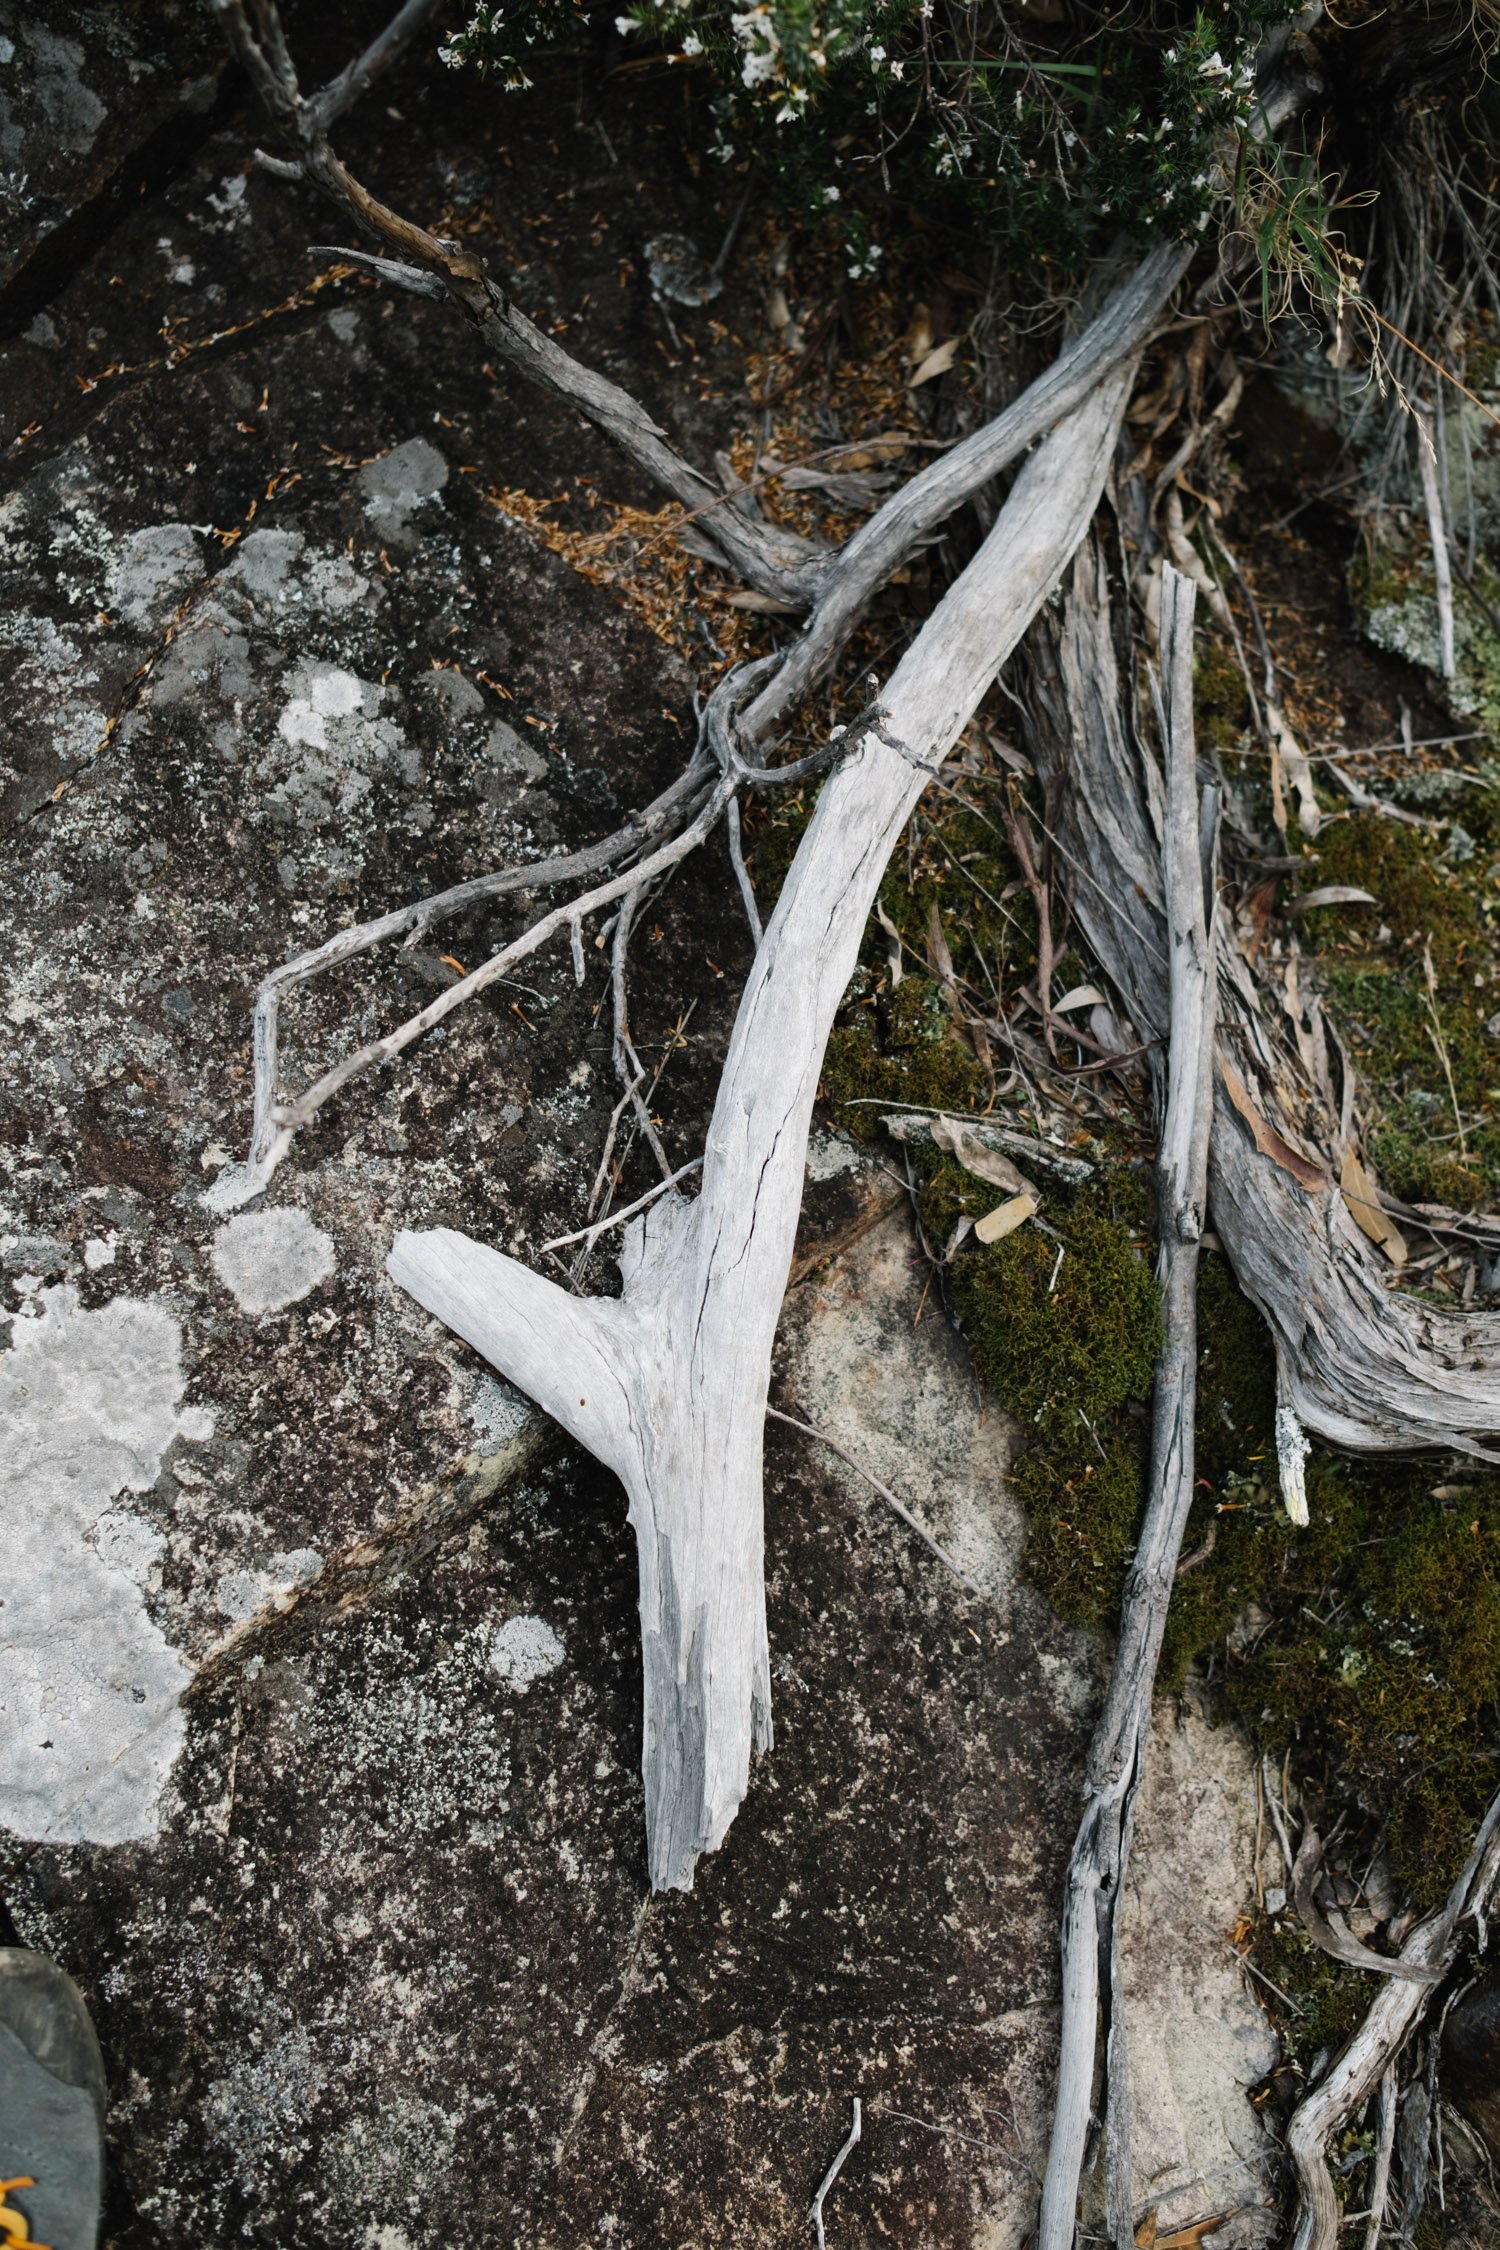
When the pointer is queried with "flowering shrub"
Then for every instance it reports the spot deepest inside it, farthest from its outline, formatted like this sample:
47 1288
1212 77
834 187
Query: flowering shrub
881 115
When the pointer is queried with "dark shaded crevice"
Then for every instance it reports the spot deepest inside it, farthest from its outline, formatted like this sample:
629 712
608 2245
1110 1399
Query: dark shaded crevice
162 157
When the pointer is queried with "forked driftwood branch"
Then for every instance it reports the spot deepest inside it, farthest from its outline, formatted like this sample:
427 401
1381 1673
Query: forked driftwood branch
668 1383
1091 1968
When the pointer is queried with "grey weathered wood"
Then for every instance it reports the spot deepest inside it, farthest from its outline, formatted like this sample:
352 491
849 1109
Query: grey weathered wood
1429 1952
667 1383
1360 1365
1096 1873
883 543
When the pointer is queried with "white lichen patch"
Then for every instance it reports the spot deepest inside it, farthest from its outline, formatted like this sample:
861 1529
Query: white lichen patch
524 1650
830 1156
268 1260
400 481
498 1412
151 571
243 1591
334 746
90 1723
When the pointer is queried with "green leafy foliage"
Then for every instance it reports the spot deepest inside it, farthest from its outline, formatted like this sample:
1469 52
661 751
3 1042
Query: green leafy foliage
890 117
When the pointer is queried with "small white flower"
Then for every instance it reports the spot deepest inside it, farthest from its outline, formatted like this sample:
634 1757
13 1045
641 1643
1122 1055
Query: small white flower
624 23
830 195
452 57
898 70
877 54
692 44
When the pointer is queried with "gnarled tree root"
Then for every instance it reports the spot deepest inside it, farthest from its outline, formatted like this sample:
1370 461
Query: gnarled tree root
1359 1364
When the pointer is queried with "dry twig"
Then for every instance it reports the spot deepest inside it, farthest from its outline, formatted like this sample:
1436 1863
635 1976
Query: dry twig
1092 1910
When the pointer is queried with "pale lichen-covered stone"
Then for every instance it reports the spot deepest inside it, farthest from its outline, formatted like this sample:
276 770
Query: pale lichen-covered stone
268 1260
90 1725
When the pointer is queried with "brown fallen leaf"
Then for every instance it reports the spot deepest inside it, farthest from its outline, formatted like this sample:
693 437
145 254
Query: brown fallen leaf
952 1137
1266 1138
1362 1196
1145 2233
1005 1217
937 362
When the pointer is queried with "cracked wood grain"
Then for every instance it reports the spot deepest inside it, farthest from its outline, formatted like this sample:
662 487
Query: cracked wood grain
1359 1364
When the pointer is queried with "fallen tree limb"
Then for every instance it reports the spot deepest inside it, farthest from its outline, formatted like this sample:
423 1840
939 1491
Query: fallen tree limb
1427 1956
1092 1909
667 1384
1359 1364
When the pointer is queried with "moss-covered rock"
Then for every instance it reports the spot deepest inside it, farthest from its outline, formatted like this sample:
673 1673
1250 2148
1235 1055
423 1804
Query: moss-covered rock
1398 605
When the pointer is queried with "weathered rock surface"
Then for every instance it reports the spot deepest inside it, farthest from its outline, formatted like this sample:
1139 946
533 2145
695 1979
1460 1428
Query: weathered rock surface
320 1716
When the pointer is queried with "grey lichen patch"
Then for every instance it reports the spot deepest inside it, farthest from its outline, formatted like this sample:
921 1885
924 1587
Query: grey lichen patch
72 111
152 569
523 1651
1400 614
400 482
498 1411
90 1725
243 1592
268 1260
333 745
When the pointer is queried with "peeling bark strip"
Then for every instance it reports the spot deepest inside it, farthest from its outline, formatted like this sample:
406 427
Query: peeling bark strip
1096 1874
667 1384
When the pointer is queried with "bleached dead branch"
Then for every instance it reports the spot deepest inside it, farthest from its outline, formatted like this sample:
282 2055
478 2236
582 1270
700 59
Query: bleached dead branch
1397 2009
667 1383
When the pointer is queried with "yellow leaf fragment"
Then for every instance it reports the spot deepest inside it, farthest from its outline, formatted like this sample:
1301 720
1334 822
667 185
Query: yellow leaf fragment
1362 1196
937 362
1081 996
1005 1217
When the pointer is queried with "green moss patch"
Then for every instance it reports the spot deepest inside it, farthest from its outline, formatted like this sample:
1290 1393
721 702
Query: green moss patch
1070 1348
1407 1037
